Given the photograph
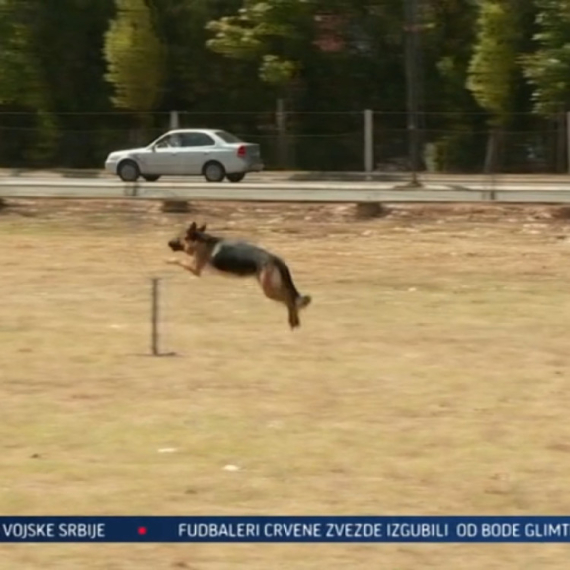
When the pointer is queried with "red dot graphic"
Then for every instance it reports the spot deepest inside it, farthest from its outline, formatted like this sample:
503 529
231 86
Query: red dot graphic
142 530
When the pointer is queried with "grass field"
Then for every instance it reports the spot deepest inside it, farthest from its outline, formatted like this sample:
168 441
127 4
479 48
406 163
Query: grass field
430 376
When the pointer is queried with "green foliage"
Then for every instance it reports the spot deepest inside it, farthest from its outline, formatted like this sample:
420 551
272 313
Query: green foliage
276 71
195 77
135 57
51 62
47 137
450 32
493 67
548 68
19 67
270 32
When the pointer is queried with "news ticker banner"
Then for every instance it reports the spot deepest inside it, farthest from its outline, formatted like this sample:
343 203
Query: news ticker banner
287 529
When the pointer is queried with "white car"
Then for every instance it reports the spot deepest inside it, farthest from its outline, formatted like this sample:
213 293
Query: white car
214 154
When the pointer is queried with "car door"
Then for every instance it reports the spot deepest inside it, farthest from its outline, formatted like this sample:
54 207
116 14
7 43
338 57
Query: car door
164 158
194 151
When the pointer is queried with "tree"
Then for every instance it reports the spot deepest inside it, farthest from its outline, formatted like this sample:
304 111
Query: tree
494 70
21 82
548 68
272 32
135 57
449 31
275 34
196 78
51 67
494 63
320 54
19 68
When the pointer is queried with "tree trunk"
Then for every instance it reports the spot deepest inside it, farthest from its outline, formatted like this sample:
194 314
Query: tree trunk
282 143
561 146
493 155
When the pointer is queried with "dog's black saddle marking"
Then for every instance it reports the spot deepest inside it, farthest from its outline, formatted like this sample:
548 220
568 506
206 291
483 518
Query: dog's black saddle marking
239 258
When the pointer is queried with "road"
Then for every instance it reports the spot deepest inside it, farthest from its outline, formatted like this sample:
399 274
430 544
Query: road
265 188
339 176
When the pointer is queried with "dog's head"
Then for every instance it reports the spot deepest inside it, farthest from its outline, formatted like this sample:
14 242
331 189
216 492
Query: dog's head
188 241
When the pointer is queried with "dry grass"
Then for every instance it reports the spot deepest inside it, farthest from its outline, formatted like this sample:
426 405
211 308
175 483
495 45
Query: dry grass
429 377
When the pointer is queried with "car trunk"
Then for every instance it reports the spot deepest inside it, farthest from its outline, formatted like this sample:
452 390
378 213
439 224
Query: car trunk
248 151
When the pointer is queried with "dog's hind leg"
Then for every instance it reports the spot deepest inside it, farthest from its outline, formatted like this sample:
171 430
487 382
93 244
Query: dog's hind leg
300 301
272 285
293 313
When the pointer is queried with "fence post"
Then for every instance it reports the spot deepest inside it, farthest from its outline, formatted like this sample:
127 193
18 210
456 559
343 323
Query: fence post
412 64
174 120
155 348
282 151
368 140
568 142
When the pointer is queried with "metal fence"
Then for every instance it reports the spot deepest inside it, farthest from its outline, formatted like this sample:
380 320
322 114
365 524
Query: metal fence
313 141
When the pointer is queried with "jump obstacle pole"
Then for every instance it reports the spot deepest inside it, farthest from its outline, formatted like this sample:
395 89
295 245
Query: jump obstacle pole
155 320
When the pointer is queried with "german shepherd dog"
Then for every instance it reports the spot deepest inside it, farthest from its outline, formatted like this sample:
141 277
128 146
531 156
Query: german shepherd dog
240 259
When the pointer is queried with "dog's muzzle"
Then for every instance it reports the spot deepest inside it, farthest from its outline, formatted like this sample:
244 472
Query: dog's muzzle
175 245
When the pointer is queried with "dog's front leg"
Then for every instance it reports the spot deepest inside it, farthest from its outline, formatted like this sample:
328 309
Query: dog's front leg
185 265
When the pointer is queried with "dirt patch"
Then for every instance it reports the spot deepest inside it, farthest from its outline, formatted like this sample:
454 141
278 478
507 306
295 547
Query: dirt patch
429 377
266 213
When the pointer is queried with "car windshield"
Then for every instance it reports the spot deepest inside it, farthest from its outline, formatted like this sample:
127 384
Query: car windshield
228 137
162 139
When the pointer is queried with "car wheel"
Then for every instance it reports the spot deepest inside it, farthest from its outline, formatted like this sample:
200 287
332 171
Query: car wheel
214 172
236 177
151 178
128 171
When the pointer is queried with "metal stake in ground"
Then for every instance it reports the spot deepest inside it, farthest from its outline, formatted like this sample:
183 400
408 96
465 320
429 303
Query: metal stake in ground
154 317
155 320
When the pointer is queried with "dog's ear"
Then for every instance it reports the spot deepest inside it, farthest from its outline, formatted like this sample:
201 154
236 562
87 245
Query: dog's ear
192 233
202 229
191 230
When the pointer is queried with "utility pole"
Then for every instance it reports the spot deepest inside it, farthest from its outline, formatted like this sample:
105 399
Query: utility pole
412 57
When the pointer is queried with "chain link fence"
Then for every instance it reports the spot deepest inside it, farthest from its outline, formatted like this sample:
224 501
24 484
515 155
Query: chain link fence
309 141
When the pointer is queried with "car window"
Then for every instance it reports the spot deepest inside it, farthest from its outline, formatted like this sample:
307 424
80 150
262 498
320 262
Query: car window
196 139
228 137
169 142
